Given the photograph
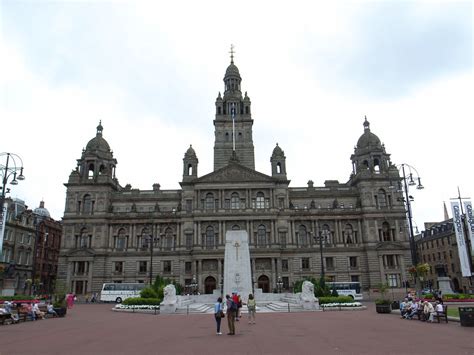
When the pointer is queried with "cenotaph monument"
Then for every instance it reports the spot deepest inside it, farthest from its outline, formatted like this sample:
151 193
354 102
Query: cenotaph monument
237 271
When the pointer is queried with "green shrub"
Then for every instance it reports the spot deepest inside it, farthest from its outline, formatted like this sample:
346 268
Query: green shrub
337 299
59 300
382 301
135 301
16 298
148 292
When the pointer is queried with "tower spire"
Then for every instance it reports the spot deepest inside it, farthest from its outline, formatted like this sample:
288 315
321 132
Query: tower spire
232 51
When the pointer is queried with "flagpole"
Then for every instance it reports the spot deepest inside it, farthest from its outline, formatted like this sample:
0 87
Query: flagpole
233 126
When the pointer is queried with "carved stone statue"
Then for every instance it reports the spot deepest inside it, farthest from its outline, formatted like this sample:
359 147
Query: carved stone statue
169 294
307 292
307 299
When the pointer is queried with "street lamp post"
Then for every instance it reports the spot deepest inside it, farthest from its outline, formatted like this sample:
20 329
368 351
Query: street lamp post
151 240
194 285
279 284
13 168
324 234
409 180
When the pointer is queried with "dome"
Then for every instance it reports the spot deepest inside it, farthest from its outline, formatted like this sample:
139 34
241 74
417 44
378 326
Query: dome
190 151
368 139
98 142
41 211
278 151
232 70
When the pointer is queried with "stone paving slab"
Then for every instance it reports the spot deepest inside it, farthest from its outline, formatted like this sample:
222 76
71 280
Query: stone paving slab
95 329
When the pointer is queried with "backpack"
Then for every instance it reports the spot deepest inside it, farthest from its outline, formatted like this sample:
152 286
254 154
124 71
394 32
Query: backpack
233 306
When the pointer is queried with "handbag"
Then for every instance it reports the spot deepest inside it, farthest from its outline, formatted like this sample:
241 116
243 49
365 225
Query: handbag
222 314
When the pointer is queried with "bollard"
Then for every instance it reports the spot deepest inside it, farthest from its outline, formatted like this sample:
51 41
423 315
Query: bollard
288 307
187 309
155 311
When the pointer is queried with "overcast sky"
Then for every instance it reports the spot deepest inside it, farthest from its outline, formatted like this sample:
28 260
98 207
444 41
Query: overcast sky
151 71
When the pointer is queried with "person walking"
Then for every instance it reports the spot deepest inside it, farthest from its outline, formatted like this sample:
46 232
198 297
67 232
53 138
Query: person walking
251 306
231 312
218 314
70 300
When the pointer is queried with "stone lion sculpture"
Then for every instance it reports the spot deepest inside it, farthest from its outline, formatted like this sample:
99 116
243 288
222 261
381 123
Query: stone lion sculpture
169 294
307 292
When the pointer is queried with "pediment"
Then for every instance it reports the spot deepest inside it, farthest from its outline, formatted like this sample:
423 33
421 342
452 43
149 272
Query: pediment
390 246
234 172
81 252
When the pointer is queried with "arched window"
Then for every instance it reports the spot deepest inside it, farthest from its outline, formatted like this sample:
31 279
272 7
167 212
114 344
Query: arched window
190 169
87 204
121 240
365 164
90 171
349 234
326 234
382 198
260 200
303 236
219 110
278 166
235 227
261 236
169 239
84 238
209 203
385 232
210 238
376 166
247 110
143 239
235 201
102 170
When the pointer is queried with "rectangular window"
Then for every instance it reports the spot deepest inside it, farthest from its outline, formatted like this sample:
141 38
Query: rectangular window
189 241
353 262
227 204
142 266
284 265
189 206
80 267
392 280
118 267
305 263
286 282
329 263
355 278
167 266
187 267
281 202
282 239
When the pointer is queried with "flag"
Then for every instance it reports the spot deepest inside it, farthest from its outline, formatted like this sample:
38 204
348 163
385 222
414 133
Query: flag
462 250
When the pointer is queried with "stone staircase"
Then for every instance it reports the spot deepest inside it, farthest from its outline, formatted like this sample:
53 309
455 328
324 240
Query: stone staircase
195 308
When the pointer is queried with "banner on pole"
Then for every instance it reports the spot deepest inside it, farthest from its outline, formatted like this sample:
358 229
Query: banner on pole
3 221
461 241
470 223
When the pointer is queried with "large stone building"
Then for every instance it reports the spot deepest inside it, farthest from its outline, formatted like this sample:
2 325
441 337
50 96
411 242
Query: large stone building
437 246
107 227
31 244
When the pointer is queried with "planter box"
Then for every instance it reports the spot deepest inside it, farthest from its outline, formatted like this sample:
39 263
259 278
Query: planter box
61 311
383 308
466 316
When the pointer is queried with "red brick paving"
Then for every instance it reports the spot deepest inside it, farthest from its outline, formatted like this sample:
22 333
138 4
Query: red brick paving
94 329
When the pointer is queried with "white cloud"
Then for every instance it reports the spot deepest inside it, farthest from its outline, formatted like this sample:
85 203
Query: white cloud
152 71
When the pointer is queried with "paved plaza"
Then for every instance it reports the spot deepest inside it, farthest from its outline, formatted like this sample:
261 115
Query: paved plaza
95 329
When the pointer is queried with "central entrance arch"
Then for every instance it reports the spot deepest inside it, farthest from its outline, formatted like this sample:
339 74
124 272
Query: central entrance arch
264 283
209 285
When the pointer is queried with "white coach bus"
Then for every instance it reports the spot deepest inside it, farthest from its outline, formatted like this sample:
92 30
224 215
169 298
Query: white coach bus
117 292
351 289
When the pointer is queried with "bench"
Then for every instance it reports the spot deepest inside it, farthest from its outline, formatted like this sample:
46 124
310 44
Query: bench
443 314
6 319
